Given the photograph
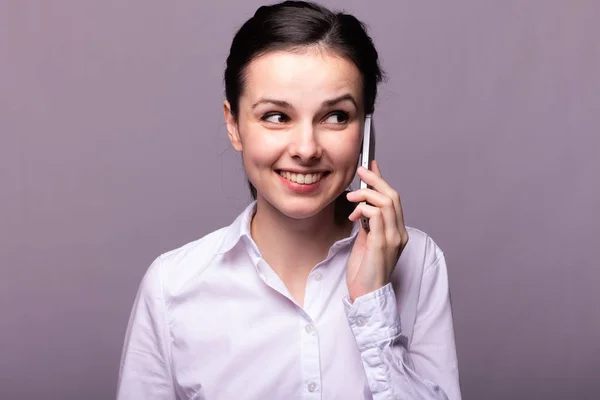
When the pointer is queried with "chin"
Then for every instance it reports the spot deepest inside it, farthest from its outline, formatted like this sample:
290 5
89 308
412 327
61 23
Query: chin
301 207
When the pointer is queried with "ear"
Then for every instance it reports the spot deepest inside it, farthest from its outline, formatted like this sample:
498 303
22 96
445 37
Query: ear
232 127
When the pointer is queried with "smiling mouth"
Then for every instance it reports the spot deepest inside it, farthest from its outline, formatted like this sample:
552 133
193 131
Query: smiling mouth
303 179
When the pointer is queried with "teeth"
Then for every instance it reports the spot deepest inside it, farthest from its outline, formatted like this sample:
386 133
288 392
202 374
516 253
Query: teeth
301 178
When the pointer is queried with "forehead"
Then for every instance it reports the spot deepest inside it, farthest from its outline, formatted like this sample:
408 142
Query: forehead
312 75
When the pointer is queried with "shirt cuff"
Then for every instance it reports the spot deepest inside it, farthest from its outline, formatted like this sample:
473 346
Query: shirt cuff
374 317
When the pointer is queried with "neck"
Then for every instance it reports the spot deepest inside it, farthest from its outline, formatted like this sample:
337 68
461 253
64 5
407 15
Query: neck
293 247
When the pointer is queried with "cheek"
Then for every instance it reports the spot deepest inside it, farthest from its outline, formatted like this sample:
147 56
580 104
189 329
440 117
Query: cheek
345 151
260 149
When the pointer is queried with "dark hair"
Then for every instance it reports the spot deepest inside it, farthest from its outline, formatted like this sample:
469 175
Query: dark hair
294 25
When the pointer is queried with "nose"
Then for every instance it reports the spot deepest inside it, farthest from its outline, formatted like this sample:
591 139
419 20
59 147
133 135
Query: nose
304 144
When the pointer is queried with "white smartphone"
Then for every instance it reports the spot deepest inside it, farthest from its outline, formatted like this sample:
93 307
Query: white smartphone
367 155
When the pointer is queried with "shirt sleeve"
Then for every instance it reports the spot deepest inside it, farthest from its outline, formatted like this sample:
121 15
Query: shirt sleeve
145 370
425 370
433 346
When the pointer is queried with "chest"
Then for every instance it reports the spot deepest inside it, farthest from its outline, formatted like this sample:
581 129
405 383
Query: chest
263 346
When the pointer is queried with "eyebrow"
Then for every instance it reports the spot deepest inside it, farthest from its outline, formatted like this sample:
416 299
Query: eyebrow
326 103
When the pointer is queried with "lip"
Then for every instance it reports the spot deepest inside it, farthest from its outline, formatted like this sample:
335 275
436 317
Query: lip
298 187
295 171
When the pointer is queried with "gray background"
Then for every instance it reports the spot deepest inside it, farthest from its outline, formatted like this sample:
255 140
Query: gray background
113 150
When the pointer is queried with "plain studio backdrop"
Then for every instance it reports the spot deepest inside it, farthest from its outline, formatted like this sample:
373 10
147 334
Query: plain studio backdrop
113 150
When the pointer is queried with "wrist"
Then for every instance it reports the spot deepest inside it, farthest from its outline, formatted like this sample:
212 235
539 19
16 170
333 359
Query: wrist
354 294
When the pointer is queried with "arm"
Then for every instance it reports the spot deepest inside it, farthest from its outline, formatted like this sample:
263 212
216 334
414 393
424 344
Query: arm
390 371
394 368
433 348
145 371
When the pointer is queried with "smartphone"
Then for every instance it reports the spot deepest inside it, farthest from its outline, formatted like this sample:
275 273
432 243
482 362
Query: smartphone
367 155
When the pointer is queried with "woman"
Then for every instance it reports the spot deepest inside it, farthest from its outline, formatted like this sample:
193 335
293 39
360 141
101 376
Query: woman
295 299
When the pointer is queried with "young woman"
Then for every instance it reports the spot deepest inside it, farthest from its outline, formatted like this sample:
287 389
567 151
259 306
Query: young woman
295 300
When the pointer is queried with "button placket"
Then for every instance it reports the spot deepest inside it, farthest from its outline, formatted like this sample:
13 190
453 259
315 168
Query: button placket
310 329
310 354
310 360
311 369
313 294
312 387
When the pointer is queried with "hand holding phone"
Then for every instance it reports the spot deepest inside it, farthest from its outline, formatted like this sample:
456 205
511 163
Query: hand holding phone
374 254
367 155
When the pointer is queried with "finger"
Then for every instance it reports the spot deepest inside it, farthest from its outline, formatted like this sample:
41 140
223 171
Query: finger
376 235
393 231
369 195
374 179
375 168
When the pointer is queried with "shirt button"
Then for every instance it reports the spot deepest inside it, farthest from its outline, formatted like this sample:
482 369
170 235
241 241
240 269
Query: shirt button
312 387
360 321
318 276
310 329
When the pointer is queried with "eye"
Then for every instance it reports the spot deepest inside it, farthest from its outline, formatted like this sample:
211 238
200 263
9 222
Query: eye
275 118
338 117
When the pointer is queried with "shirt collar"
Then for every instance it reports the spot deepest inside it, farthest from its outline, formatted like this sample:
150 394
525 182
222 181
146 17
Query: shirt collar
241 227
238 229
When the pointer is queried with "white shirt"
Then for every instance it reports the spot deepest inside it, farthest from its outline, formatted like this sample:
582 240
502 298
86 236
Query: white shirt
213 321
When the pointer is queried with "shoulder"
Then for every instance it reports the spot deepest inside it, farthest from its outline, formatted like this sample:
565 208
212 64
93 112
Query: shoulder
195 250
174 268
420 256
422 249
418 277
